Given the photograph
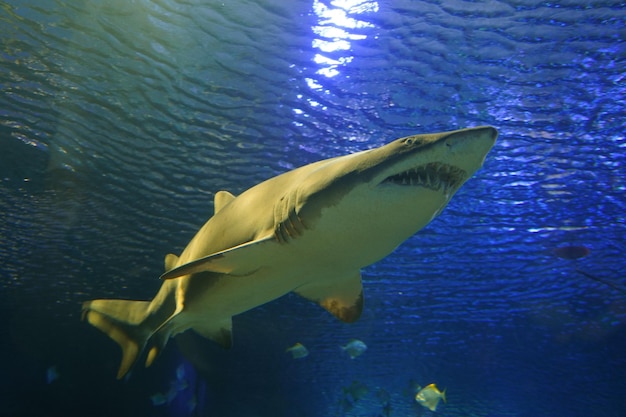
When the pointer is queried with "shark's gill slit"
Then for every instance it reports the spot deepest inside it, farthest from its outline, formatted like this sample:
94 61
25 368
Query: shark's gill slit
433 176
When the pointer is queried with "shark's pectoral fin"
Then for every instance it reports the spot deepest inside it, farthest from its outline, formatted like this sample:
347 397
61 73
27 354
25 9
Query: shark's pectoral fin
238 260
343 298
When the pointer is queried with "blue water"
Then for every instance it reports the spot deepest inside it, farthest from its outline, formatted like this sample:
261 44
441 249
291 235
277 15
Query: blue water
120 119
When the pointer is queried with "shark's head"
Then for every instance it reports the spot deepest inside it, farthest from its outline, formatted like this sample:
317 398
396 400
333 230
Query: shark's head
439 162
394 190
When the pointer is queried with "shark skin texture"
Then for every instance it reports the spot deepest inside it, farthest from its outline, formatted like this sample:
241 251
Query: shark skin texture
309 230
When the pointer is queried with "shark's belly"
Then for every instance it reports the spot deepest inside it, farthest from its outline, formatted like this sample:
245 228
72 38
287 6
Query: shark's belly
360 231
229 295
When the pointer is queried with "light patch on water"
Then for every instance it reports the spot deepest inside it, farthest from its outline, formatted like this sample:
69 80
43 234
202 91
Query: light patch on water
337 27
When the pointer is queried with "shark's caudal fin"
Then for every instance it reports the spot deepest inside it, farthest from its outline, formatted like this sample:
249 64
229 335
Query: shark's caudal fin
124 322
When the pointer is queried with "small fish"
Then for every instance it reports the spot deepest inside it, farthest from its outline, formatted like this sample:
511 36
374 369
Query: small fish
52 374
179 385
171 394
180 372
386 409
356 390
411 388
354 348
346 404
176 385
158 399
383 395
192 403
298 351
429 397
571 252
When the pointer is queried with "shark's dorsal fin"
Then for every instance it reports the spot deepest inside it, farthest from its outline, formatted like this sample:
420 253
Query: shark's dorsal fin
170 261
221 199
238 260
343 299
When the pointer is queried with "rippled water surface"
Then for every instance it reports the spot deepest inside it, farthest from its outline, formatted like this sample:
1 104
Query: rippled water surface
119 120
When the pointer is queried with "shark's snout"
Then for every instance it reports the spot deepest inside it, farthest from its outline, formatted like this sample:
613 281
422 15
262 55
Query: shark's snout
477 137
440 162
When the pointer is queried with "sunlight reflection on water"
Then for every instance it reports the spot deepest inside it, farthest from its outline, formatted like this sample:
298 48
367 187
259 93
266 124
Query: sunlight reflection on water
337 28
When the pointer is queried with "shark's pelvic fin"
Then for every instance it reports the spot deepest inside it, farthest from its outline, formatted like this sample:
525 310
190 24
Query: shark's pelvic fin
222 333
159 337
221 199
239 260
342 298
123 321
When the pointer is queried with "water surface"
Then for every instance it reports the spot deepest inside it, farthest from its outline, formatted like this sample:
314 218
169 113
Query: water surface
120 120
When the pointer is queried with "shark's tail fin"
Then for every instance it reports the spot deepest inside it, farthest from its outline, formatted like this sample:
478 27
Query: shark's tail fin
125 322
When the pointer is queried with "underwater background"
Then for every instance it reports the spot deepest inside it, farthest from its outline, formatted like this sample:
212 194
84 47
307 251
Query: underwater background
120 119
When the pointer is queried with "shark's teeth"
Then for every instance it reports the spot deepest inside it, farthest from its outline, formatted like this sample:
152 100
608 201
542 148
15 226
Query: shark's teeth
434 176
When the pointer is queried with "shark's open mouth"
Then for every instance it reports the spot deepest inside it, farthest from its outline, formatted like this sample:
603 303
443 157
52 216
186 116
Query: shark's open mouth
434 176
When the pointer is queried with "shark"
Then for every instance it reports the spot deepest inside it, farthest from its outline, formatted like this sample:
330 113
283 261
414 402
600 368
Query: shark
309 231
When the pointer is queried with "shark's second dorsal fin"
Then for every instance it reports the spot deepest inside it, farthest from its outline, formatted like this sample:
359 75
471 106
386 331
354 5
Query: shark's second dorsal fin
170 261
221 199
343 298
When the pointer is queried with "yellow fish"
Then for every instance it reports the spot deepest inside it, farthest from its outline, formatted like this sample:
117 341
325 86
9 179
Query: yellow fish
298 351
429 397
